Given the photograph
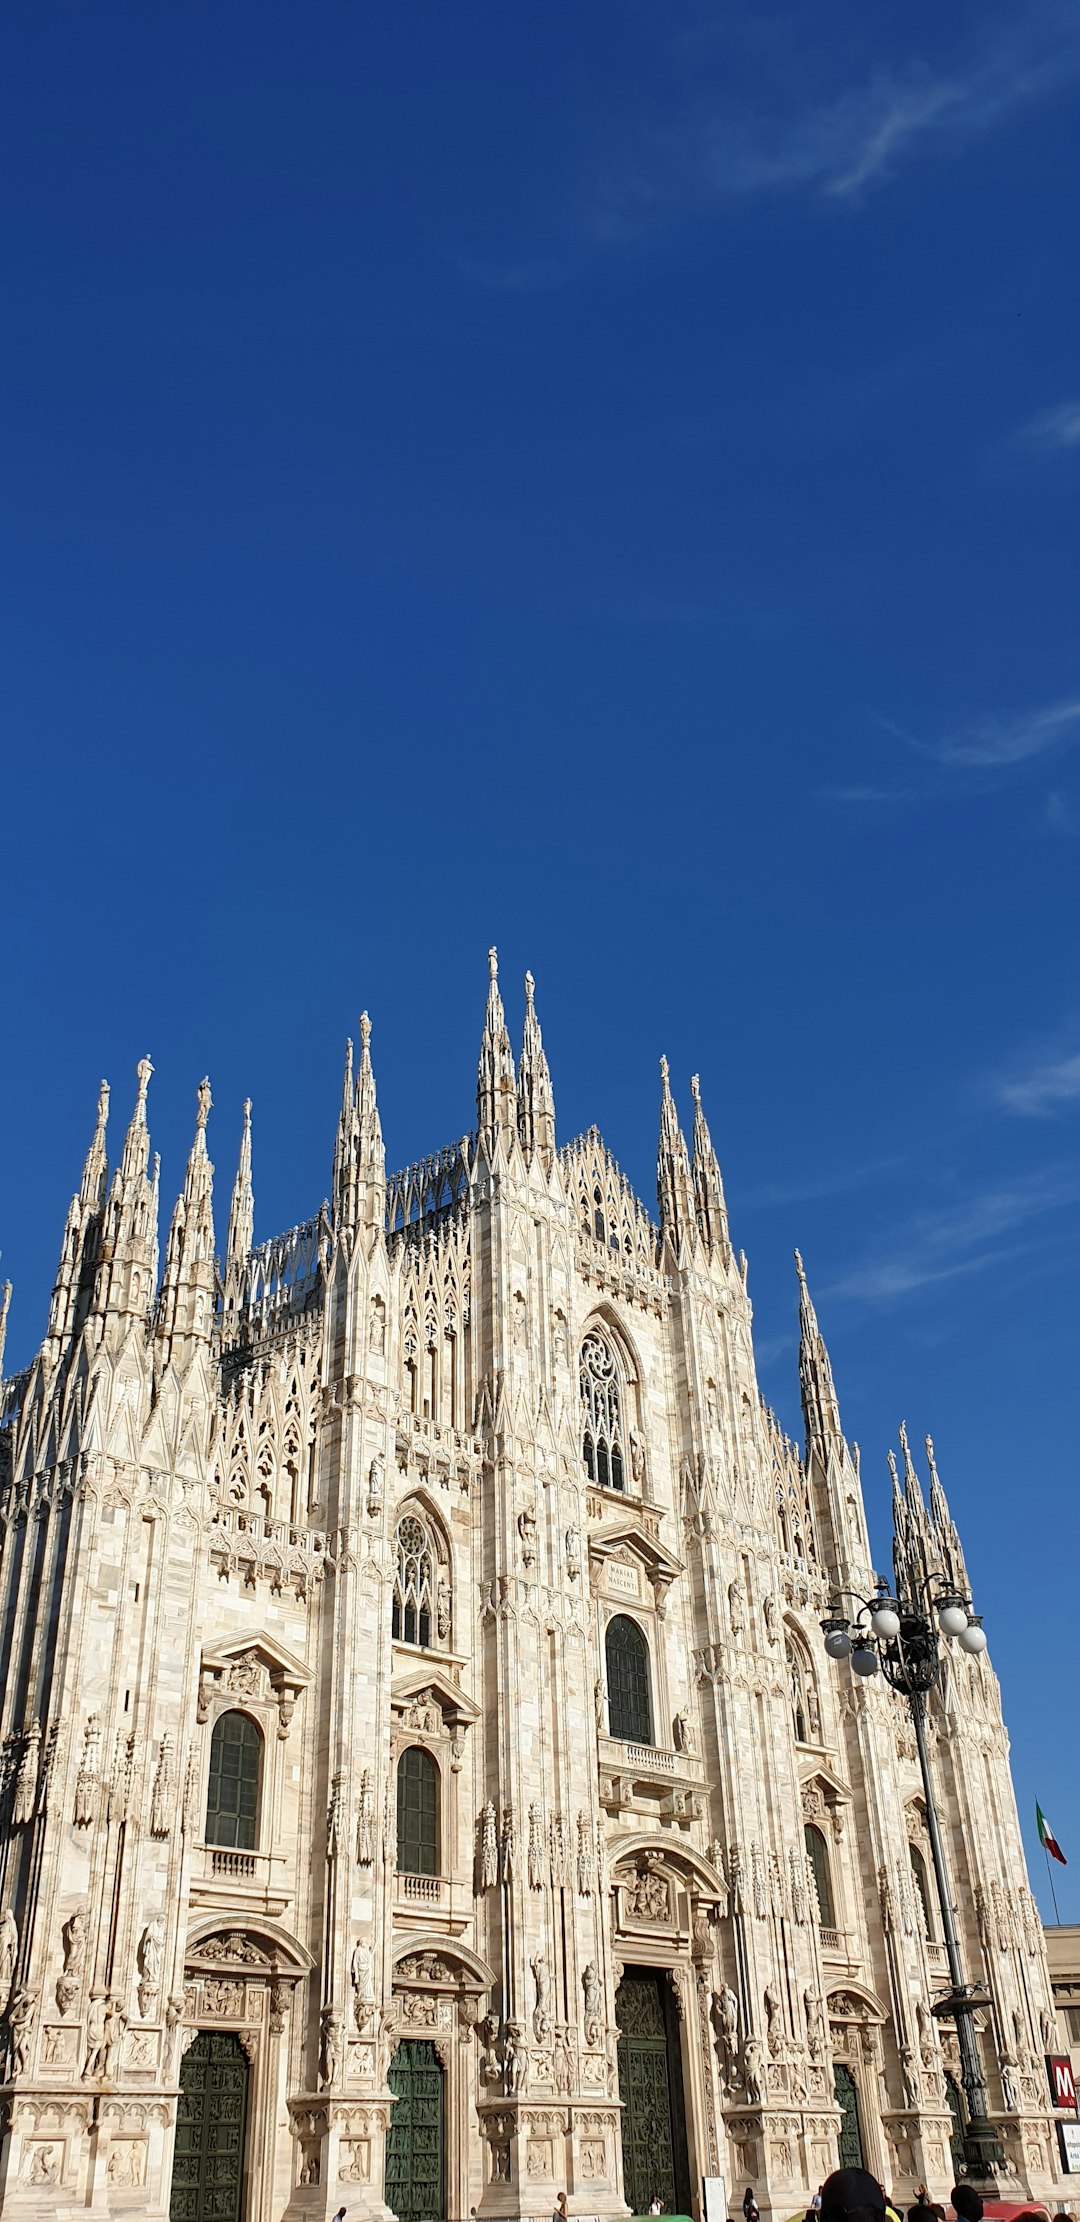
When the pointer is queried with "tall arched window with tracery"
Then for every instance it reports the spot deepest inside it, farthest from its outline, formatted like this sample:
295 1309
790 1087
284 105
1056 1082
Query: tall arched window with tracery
603 1418
415 1582
805 1715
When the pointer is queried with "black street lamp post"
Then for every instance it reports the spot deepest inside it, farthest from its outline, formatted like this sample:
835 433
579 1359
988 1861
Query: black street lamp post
900 1636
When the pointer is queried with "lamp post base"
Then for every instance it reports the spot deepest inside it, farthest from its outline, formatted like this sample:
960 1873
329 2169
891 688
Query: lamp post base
983 2154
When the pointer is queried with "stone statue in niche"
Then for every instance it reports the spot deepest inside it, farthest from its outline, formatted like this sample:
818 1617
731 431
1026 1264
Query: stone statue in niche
520 1321
590 1983
526 1527
377 1328
20 2027
442 1609
330 2048
363 1984
736 1608
375 1487
573 1554
637 1458
752 2066
541 2018
725 2016
681 1733
9 1953
774 2027
515 2059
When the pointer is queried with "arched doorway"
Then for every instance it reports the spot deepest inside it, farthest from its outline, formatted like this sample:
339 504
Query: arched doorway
211 2118
849 2135
415 2184
650 2086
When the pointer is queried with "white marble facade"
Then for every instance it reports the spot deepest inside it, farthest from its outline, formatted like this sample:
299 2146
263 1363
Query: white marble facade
490 1404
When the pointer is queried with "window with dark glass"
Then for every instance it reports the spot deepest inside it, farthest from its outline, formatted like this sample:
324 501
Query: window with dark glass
414 1582
817 1853
417 1813
602 1420
922 1891
232 1797
629 1704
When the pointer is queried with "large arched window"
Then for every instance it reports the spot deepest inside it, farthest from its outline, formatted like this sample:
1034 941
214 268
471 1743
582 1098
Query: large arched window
922 1891
602 1414
802 1689
232 1797
414 1582
629 1704
417 1813
817 1852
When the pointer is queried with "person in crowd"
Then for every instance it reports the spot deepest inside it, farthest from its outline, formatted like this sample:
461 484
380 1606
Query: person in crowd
852 2195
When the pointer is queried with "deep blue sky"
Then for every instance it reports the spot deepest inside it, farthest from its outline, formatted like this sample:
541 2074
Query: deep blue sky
600 479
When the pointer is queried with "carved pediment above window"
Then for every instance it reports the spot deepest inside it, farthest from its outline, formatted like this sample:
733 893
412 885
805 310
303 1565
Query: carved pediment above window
625 1555
259 1671
431 1704
234 1950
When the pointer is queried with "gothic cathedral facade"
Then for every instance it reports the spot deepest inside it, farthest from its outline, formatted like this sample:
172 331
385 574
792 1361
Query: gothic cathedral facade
424 1786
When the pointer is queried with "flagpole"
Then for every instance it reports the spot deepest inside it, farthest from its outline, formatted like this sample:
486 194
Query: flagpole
1053 1892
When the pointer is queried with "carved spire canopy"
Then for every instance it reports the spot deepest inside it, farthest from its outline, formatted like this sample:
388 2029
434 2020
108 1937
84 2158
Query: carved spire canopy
674 1186
496 1091
359 1156
242 1208
709 1200
535 1095
186 1304
821 1409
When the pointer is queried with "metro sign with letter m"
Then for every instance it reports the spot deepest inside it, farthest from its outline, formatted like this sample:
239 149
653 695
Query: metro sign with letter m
1062 2079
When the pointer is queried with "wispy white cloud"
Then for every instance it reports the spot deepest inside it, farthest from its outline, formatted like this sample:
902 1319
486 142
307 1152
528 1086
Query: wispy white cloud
1053 428
1047 1087
987 1230
1058 815
989 742
842 147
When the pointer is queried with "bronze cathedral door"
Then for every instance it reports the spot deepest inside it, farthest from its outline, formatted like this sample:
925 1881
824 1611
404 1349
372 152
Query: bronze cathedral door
211 2117
415 2184
650 2087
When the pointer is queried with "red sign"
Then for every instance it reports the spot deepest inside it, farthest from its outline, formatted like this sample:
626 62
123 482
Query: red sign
1062 2079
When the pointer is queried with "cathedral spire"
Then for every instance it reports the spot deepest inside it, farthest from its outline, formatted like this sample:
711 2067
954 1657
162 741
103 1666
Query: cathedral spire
495 1086
708 1186
82 1227
129 1228
241 1210
821 1409
674 1188
95 1170
371 1156
945 1528
535 1095
344 1185
359 1157
914 1554
186 1306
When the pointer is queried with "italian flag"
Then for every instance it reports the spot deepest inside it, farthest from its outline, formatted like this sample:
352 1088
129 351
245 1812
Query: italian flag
1047 1838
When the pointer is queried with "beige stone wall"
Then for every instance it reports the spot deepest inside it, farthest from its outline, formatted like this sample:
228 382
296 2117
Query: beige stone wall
205 1520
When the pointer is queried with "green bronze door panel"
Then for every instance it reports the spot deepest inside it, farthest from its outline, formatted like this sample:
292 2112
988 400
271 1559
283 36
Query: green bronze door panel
208 2160
849 2139
414 2186
647 2061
